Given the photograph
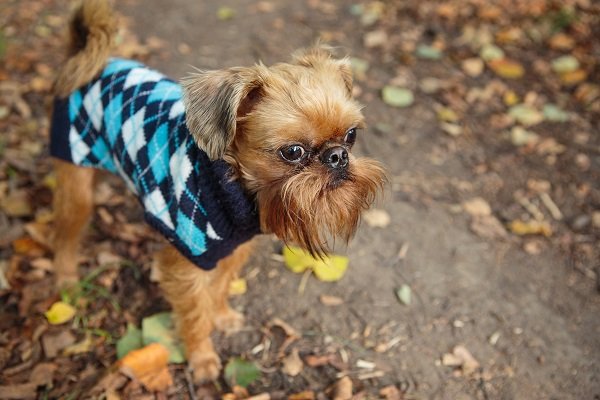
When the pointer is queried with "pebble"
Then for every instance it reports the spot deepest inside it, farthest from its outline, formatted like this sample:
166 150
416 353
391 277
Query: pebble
581 222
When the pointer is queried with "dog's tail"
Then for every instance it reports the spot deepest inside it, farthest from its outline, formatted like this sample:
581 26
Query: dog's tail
92 30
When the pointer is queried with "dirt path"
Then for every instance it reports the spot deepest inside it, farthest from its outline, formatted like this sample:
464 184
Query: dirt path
527 309
467 290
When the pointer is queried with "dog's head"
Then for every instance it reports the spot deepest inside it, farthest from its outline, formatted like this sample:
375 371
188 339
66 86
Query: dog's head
288 131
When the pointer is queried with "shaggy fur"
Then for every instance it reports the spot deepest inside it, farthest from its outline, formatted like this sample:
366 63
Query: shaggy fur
245 115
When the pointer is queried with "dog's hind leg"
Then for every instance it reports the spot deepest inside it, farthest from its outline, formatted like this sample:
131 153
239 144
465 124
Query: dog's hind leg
73 205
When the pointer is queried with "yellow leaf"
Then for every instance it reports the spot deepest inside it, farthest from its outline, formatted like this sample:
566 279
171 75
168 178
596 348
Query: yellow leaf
531 228
507 68
296 259
59 313
237 287
329 269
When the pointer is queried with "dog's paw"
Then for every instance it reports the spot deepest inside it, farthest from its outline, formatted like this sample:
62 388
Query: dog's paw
229 321
206 366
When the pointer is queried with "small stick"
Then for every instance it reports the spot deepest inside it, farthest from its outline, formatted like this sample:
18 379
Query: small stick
551 206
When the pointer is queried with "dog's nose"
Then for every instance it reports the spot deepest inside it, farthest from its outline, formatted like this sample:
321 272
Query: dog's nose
335 157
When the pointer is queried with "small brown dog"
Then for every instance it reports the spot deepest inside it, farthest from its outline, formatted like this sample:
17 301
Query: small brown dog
284 133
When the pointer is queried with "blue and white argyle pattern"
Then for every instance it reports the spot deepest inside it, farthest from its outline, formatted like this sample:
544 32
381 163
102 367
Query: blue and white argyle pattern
131 121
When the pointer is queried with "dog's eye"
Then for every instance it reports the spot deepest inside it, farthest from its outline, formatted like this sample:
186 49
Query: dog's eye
293 153
350 137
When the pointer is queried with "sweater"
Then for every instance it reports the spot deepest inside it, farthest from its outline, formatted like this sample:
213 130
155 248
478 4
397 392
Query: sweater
130 120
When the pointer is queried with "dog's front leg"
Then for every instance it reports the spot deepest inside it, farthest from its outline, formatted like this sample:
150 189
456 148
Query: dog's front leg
199 301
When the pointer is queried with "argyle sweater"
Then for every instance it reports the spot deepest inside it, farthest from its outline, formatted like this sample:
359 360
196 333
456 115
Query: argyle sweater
131 121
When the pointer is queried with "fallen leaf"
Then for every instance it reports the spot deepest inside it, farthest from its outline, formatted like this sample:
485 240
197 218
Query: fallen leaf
451 129
375 38
473 66
391 393
149 366
330 268
525 114
343 389
510 98
554 113
404 294
43 374
292 364
28 247
16 204
241 372
85 346
561 41
532 227
376 218
565 64
59 313
397 97
490 52
446 114
477 206
508 69
237 287
488 227
19 391
53 343
428 52
330 301
306 395
520 136
159 328
573 77
131 340
225 13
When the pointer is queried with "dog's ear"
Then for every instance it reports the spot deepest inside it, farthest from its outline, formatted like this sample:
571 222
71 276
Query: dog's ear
213 102
321 56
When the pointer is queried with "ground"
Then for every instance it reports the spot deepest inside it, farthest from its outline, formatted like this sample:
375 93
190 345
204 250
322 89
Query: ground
524 307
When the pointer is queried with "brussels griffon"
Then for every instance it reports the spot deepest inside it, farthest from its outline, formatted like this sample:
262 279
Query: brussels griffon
224 156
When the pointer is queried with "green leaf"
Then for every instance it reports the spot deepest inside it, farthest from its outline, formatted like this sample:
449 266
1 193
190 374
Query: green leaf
491 52
131 340
241 372
397 96
565 64
555 114
428 52
159 328
404 294
525 114
225 13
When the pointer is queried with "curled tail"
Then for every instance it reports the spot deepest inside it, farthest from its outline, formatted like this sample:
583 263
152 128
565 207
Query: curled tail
92 30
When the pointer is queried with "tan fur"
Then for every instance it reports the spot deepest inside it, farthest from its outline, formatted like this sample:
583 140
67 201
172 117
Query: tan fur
92 31
244 115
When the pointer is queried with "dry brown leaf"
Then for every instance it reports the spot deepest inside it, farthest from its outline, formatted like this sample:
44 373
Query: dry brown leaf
29 247
53 343
306 395
43 374
488 227
149 366
391 393
292 364
330 300
477 206
343 389
461 357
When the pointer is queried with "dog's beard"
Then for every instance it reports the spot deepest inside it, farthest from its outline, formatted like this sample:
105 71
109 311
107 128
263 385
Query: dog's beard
314 205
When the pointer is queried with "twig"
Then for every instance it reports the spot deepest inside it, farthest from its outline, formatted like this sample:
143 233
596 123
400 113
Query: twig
529 206
551 206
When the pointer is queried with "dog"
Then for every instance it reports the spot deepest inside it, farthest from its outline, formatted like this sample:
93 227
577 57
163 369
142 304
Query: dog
224 156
